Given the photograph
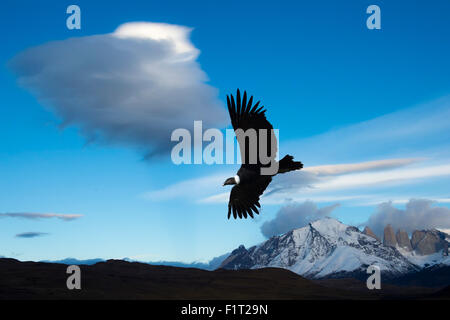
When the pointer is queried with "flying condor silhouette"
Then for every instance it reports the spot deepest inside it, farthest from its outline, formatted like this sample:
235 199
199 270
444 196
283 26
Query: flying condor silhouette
249 183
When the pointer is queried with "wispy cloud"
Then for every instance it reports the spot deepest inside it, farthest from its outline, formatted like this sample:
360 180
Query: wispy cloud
338 169
283 197
322 177
35 216
384 177
377 199
362 188
308 184
30 234
190 189
312 183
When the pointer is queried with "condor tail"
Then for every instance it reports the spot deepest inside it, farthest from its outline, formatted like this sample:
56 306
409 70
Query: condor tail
288 164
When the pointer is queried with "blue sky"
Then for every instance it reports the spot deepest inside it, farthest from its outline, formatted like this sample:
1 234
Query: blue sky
338 92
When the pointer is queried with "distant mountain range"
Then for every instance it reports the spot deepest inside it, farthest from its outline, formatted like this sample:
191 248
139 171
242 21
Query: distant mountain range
73 261
211 265
328 248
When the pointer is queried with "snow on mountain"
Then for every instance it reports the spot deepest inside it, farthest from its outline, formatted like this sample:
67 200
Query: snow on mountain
324 248
447 233
424 261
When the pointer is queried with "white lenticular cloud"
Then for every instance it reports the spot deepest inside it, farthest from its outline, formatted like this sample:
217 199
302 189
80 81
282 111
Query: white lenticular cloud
133 86
177 35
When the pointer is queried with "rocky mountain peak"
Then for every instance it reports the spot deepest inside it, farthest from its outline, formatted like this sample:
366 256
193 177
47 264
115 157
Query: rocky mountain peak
370 233
403 240
389 237
238 259
425 242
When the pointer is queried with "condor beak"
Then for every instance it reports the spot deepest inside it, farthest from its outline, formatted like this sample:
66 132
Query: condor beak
227 182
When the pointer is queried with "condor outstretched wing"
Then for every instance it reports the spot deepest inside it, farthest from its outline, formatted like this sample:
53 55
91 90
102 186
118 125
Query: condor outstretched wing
244 199
245 116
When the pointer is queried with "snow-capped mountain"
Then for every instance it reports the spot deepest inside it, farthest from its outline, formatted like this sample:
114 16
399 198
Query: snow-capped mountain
324 248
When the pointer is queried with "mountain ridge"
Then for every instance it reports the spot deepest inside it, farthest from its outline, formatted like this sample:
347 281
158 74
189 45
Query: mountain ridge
212 264
119 279
327 248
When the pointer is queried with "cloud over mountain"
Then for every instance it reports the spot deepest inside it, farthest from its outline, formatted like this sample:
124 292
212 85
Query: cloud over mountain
133 86
418 214
293 216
